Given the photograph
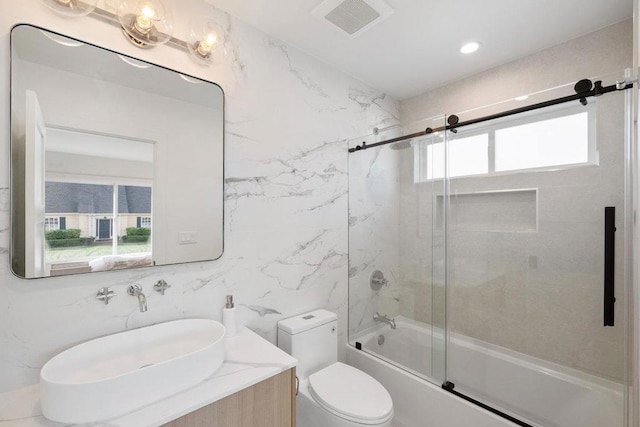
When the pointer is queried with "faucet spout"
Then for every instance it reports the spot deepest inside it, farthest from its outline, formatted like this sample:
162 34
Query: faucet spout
136 291
384 319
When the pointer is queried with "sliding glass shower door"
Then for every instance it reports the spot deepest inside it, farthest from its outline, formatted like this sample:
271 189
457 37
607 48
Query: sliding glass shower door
396 249
532 253
488 256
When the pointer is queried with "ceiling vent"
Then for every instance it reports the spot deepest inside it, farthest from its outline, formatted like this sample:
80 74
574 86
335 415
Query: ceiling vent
352 17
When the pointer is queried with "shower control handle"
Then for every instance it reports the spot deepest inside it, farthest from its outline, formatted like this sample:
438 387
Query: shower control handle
377 280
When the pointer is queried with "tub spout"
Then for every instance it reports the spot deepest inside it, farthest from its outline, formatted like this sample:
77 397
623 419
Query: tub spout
136 291
384 319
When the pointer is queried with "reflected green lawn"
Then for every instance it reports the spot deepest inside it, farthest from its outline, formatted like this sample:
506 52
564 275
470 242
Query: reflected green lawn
93 251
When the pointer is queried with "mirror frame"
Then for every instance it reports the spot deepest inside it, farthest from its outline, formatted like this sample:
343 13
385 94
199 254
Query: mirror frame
12 148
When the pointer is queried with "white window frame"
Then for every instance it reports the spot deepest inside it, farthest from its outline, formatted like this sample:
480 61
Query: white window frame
421 160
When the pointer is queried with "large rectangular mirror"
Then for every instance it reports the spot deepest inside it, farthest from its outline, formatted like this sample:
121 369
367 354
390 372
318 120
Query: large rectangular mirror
115 163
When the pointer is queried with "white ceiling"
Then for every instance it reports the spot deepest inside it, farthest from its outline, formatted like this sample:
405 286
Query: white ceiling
417 48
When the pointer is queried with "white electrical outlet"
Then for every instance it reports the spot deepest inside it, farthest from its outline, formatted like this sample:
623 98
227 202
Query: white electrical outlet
187 237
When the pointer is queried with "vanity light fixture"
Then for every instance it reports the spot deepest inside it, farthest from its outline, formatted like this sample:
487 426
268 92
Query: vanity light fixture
71 8
469 47
148 23
145 23
203 40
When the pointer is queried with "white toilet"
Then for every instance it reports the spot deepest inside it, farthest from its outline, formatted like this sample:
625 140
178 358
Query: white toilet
330 393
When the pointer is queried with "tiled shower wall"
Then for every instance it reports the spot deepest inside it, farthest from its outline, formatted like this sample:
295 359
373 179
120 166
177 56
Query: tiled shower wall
539 292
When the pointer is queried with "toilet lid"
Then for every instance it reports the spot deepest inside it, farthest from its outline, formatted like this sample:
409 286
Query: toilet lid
351 393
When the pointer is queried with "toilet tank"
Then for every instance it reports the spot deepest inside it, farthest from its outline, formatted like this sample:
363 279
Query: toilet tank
312 338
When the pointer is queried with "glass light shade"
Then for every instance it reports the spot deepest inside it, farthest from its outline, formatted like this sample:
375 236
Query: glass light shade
146 23
205 40
111 5
71 8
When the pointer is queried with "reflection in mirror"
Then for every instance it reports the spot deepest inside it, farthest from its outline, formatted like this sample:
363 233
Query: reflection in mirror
98 206
114 165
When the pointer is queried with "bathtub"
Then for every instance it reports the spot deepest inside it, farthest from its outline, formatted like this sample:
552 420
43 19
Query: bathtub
538 392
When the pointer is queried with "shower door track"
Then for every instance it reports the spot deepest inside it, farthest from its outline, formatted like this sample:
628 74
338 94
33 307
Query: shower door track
584 89
449 386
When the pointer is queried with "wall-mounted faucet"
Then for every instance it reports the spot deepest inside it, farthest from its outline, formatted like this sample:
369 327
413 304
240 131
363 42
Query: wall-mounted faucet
136 291
384 319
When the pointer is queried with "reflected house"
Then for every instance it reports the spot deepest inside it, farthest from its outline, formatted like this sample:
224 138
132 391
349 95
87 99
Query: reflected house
89 207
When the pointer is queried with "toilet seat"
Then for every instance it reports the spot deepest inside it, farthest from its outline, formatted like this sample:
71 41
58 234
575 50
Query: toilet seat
351 394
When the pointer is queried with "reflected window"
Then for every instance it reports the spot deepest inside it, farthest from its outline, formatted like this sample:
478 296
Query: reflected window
134 219
98 202
105 226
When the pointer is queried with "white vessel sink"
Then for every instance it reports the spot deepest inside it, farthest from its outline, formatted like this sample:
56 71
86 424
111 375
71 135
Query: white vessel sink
116 374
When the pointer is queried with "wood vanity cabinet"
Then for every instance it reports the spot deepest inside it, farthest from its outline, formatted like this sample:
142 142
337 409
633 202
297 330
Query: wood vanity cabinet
270 403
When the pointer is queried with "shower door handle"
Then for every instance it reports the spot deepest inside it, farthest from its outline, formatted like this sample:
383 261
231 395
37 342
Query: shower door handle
609 263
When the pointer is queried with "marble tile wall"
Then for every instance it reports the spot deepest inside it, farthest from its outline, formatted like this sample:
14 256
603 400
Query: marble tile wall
288 118
374 213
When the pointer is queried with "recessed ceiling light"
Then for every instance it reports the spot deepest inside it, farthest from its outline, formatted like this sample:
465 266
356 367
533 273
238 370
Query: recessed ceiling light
521 98
470 47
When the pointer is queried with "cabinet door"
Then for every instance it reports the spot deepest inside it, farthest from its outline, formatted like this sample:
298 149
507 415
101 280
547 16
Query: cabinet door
270 403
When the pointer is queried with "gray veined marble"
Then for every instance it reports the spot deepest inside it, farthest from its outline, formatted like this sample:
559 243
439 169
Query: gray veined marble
262 311
298 74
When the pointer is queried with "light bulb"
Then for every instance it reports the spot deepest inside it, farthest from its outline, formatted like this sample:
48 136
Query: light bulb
203 39
205 46
145 22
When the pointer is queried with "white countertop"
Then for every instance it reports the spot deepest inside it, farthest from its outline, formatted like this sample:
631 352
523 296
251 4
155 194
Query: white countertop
249 359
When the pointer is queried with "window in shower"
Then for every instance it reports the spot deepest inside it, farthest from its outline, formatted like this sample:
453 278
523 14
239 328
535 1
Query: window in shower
564 137
468 156
557 141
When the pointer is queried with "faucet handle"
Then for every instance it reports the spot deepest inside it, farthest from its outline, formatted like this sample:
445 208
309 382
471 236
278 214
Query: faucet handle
105 294
377 280
134 290
160 286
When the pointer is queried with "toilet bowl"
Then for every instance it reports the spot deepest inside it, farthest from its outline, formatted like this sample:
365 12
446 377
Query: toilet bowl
330 393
